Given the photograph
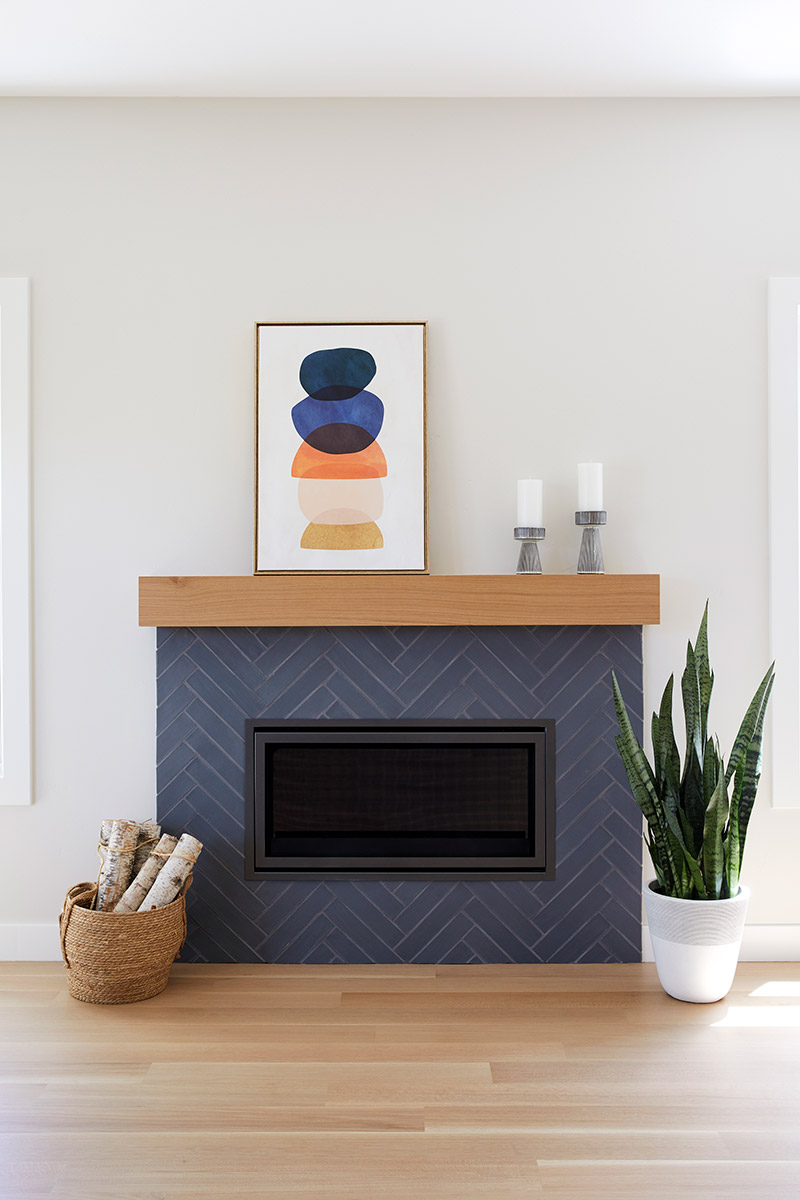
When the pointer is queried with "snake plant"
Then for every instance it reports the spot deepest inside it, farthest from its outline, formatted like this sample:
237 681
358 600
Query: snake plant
697 815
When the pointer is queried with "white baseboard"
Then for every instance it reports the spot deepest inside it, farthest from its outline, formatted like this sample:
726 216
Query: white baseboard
30 943
760 943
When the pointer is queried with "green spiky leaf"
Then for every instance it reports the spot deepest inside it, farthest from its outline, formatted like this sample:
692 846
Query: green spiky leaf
713 852
753 718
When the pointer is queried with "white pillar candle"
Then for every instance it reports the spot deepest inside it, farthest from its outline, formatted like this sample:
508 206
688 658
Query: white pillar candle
529 503
590 487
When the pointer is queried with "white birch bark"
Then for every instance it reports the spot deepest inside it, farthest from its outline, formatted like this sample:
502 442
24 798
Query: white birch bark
149 833
170 878
145 878
115 874
105 834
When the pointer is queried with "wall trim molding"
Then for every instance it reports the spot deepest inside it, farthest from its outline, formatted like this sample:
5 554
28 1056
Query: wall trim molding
16 685
30 943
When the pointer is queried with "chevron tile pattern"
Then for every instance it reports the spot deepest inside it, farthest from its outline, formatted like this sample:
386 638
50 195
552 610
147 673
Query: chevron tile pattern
210 680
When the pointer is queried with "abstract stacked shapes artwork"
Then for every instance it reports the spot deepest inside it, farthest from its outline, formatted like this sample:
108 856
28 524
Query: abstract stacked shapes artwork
340 447
340 463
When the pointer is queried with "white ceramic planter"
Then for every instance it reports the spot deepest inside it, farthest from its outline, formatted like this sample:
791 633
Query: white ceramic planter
696 943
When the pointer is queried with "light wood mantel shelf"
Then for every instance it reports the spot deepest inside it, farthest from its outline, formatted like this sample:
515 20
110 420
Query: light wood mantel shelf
342 600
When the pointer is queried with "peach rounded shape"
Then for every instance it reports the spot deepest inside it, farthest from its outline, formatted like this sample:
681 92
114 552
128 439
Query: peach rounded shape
361 497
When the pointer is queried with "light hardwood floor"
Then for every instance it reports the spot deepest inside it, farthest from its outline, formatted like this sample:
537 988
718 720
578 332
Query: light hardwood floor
387 1083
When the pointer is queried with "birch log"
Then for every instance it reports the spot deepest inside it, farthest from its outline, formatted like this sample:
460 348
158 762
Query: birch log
115 874
105 834
169 880
149 833
129 902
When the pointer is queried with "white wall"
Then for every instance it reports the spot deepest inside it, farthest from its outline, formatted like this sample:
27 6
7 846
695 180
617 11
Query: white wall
594 275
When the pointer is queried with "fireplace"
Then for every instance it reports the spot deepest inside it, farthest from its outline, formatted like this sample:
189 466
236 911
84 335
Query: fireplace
211 681
431 799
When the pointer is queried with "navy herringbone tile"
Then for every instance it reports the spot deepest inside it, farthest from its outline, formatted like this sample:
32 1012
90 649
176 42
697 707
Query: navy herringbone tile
202 686
228 741
245 641
359 702
236 689
375 688
236 890
173 705
558 645
173 765
210 680
214 827
231 941
174 675
517 654
229 656
499 703
485 950
478 710
346 916
620 918
516 687
280 673
336 711
455 704
171 644
211 889
625 859
294 700
444 939
218 789
345 949
439 645
208 752
382 899
509 936
523 921
293 930
362 653
364 905
170 736
444 653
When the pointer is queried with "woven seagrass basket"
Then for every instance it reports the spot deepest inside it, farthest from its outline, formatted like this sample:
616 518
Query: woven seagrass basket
115 958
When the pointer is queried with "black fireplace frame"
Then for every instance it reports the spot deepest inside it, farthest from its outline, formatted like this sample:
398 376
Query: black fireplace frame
537 736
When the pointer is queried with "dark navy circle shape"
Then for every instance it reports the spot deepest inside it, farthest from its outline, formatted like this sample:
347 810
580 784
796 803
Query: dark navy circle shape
363 409
340 439
337 374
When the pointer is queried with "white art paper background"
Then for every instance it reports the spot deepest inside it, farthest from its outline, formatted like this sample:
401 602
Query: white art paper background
399 383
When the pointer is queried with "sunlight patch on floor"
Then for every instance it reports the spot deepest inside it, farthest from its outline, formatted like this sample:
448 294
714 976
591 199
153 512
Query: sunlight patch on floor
779 1016
778 988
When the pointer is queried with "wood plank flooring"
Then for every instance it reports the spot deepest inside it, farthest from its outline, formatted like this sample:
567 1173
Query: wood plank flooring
387 1083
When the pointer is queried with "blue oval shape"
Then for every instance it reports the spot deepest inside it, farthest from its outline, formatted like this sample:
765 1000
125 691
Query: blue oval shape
337 374
364 409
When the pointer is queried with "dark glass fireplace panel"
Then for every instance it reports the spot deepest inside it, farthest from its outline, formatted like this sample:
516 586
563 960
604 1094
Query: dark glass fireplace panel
365 788
400 799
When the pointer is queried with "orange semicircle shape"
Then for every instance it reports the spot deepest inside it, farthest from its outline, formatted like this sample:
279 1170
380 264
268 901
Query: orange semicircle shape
309 463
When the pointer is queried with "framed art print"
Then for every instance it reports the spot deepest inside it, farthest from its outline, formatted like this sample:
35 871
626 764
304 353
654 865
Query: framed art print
341 448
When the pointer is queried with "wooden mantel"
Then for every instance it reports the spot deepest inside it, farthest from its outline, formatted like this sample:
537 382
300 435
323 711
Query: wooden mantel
339 600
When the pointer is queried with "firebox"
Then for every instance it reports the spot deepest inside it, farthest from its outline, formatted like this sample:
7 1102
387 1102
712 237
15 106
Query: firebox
400 799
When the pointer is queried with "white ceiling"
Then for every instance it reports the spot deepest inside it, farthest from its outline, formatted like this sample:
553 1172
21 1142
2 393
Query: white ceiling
434 48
